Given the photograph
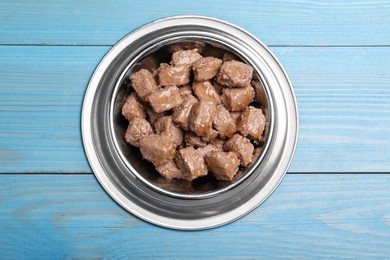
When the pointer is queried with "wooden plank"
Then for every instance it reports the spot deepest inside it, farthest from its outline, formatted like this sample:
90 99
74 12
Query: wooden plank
343 97
309 216
275 22
41 93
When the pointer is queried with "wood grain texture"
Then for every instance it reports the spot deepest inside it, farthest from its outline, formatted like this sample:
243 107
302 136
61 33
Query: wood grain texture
343 97
99 22
41 93
309 216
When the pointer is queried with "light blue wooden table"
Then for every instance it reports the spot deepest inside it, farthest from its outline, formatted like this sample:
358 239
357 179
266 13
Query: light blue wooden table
334 201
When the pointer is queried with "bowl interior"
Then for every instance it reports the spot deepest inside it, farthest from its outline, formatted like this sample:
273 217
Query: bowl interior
132 157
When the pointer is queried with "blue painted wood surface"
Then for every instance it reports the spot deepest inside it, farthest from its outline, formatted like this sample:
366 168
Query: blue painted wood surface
343 97
337 54
97 22
309 216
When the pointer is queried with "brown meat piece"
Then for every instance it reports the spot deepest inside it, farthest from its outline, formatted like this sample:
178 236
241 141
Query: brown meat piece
237 99
181 113
157 71
208 149
218 143
224 123
201 117
256 154
210 135
143 83
152 116
242 146
191 139
236 116
252 123
169 170
163 124
235 74
191 163
206 92
185 57
182 46
133 108
165 99
223 165
166 126
185 90
174 75
259 92
206 68
137 129
218 87
157 149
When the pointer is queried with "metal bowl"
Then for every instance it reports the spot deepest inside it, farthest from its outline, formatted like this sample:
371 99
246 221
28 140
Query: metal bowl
133 182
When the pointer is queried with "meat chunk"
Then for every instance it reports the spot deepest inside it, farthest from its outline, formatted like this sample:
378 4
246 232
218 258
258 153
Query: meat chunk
235 74
242 146
143 83
165 99
236 116
157 71
201 117
181 113
191 163
206 92
206 68
208 149
191 139
182 46
174 75
223 165
169 170
133 108
151 115
224 122
166 126
185 90
157 149
210 135
252 123
218 87
259 92
237 99
137 129
218 143
256 155
185 57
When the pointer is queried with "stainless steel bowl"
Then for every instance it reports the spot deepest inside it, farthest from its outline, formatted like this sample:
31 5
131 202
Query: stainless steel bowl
132 182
